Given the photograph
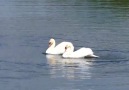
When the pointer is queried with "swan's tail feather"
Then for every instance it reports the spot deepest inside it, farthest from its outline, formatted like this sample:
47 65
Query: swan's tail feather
91 56
95 56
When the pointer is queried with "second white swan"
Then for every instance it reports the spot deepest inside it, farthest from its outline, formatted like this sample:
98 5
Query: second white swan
81 53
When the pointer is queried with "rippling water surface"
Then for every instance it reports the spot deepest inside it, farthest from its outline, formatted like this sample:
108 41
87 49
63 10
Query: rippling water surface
27 25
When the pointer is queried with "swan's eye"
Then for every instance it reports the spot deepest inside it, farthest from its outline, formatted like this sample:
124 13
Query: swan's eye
65 48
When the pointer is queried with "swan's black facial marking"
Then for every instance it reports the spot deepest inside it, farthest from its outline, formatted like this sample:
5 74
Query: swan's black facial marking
50 43
65 48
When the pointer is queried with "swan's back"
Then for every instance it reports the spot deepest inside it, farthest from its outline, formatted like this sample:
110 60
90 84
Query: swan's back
60 48
62 45
82 53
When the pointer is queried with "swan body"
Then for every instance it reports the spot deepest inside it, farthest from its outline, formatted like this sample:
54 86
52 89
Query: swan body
59 49
81 53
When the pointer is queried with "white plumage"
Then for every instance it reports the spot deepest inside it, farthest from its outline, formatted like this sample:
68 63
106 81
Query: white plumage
81 53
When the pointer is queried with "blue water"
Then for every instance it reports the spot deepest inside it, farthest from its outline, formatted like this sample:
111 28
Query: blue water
27 25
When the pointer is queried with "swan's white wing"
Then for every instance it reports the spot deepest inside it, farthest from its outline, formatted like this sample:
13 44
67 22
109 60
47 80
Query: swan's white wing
82 53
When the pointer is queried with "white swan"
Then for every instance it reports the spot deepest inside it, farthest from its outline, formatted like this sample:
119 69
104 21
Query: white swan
59 49
81 53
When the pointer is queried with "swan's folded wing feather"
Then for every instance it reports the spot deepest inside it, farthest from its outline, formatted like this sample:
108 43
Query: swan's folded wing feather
82 52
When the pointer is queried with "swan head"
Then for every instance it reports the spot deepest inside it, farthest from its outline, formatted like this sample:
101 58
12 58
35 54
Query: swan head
51 42
69 47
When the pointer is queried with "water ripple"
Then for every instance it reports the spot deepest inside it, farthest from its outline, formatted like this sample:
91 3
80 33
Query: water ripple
20 70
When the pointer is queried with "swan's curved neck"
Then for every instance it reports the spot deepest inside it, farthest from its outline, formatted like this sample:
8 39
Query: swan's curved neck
52 45
50 48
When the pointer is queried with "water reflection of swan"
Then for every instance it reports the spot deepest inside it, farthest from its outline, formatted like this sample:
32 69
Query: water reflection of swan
59 49
69 68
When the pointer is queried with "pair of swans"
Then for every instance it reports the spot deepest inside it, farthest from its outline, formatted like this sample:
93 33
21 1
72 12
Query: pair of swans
67 50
